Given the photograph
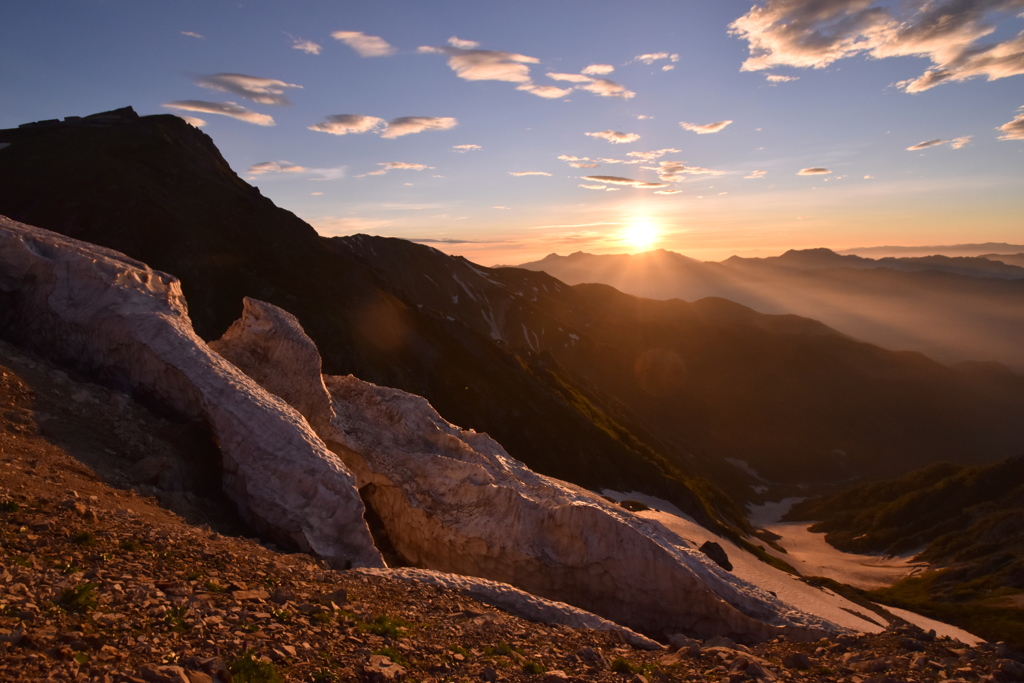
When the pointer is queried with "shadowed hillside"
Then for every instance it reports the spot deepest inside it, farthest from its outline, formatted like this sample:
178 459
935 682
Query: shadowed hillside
158 190
794 398
953 309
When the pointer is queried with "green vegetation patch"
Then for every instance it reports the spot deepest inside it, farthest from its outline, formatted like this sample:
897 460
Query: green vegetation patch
247 668
80 598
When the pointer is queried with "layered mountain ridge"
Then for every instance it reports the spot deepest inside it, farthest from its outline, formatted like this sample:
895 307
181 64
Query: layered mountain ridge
954 309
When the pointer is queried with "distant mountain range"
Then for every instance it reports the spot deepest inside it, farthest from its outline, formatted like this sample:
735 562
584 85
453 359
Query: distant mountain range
983 249
584 383
953 309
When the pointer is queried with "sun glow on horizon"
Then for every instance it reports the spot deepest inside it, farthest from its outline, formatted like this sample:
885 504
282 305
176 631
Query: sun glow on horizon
640 235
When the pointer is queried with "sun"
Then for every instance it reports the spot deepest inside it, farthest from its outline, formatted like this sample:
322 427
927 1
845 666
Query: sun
641 235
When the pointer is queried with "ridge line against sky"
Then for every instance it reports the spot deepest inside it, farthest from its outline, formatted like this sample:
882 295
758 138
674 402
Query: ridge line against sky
706 128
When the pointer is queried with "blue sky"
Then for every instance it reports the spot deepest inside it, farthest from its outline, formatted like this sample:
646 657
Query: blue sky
504 131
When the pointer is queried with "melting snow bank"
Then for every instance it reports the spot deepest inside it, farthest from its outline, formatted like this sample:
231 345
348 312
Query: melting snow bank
102 311
789 588
811 555
453 500
514 601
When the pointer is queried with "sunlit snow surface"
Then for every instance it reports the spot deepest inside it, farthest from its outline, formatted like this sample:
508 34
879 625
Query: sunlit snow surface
810 554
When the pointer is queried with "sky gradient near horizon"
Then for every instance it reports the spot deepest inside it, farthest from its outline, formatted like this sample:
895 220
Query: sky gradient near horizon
504 131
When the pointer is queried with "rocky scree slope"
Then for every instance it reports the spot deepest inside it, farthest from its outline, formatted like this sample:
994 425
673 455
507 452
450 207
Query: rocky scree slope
99 582
158 190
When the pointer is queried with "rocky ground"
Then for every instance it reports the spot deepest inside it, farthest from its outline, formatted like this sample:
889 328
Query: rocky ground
119 562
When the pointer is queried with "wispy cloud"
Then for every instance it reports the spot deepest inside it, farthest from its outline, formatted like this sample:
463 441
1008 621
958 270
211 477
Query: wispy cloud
676 171
571 78
619 180
704 129
192 120
307 46
485 65
754 175
275 167
599 86
955 143
255 88
1013 130
403 166
926 144
667 191
653 57
814 170
579 162
605 88
364 45
593 187
344 124
614 136
235 111
598 69
522 173
547 91
816 34
466 148
779 78
193 34
650 156
455 41
395 166
407 125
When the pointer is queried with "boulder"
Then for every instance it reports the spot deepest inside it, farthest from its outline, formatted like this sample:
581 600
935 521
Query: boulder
275 351
453 500
128 324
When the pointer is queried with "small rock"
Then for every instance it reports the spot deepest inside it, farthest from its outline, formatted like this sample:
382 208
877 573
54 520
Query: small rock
717 554
796 660
381 668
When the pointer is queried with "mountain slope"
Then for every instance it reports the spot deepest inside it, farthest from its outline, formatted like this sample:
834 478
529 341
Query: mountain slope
953 309
792 397
158 190
967 522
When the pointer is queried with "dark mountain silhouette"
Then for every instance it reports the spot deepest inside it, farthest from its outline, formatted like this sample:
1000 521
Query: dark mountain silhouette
1009 259
789 395
158 190
953 309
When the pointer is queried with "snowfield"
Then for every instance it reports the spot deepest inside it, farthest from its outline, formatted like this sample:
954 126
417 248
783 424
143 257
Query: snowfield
809 554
